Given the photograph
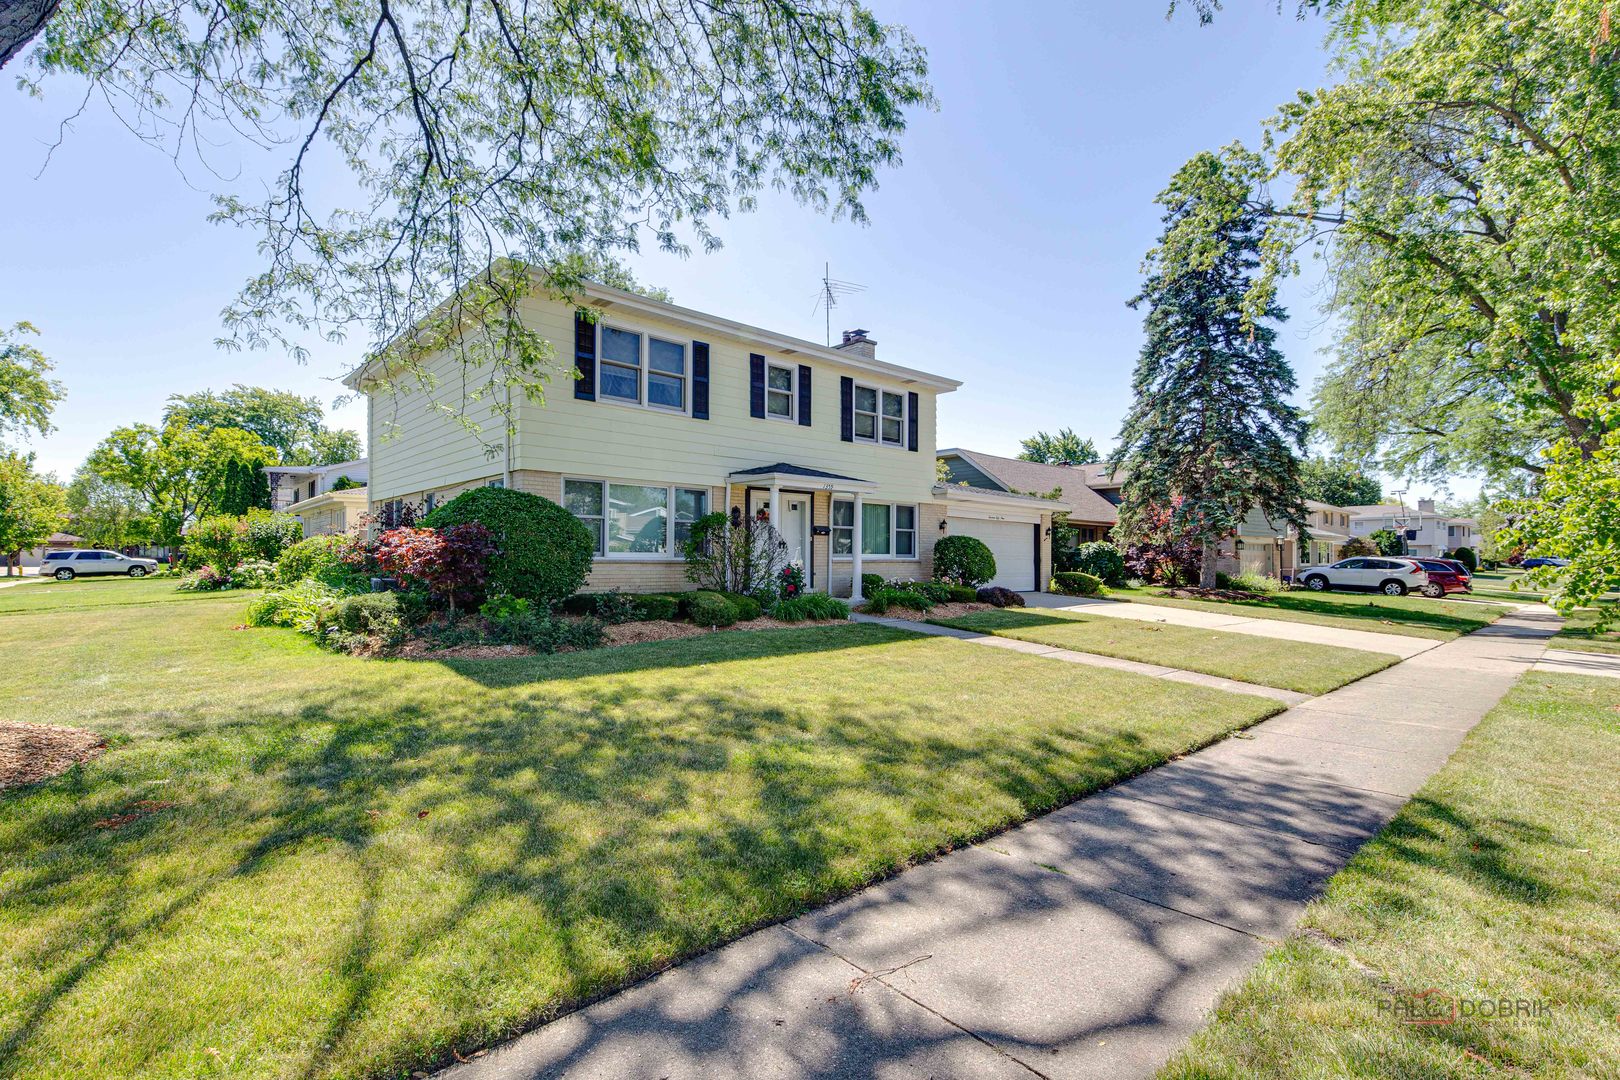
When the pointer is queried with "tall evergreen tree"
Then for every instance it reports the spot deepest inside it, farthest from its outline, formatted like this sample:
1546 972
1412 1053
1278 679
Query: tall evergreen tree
1211 435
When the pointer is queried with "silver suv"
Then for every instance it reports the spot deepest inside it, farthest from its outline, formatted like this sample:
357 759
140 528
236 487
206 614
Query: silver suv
67 565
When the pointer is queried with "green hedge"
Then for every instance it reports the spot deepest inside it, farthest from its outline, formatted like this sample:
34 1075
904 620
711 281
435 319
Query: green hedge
1075 583
711 609
545 552
747 607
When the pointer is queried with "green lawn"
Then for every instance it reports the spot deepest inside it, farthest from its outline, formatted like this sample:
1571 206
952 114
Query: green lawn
1499 880
1500 585
1412 616
351 867
1310 669
100 592
1580 633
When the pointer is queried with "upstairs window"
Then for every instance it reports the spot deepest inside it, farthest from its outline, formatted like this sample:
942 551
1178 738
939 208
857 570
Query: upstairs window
880 416
779 391
628 360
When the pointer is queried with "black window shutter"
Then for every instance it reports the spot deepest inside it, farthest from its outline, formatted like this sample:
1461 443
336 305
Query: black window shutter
700 380
846 408
585 357
804 395
756 385
911 421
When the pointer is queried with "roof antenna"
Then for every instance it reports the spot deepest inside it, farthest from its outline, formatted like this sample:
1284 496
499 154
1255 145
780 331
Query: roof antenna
827 296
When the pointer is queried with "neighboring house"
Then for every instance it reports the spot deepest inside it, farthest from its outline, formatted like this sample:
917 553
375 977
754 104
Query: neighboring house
1087 493
1428 531
32 557
1273 548
676 413
307 492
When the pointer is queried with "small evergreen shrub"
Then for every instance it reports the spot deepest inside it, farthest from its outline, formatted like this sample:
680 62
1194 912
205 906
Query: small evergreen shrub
1100 559
963 594
544 552
810 606
748 608
656 607
504 607
996 596
1467 557
361 621
871 583
707 608
1075 583
937 592
614 607
963 559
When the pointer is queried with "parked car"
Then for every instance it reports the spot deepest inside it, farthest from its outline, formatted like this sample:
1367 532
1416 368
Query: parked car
1445 576
1543 560
1390 576
1459 566
67 565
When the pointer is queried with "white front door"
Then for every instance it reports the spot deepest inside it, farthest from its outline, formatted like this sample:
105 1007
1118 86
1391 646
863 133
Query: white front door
794 525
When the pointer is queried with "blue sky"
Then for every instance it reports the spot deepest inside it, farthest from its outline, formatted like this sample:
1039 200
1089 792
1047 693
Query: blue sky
1001 253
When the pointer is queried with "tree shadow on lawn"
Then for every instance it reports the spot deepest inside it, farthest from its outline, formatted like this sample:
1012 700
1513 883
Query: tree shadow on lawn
439 874
988 622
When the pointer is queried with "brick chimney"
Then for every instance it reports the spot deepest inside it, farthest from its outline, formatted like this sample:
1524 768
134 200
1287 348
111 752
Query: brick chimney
1425 506
857 342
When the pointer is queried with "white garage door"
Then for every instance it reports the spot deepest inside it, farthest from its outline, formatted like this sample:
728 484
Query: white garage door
1011 542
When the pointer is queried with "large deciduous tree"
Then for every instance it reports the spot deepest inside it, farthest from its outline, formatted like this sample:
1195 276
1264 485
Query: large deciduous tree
107 514
489 143
27 394
294 427
1338 482
181 473
1064 448
1211 434
32 507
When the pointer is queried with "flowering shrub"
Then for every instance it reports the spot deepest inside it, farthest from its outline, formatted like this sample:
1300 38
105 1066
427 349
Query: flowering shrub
218 541
792 583
266 535
253 574
451 563
205 579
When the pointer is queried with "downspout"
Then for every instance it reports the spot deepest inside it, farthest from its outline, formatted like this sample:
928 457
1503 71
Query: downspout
511 433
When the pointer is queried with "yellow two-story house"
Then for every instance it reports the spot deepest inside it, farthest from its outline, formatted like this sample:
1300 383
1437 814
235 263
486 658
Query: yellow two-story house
675 413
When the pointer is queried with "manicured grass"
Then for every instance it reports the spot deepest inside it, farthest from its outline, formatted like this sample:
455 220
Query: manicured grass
350 867
1505 584
100 592
1499 880
1413 616
1308 668
1580 633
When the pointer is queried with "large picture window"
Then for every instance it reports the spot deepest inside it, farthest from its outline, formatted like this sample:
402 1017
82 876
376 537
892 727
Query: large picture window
627 360
880 416
635 520
888 530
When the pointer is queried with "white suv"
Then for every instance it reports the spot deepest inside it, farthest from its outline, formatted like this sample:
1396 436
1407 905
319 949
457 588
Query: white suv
1390 576
67 565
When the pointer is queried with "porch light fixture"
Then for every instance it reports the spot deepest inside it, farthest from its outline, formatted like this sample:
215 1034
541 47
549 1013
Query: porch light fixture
941 524
736 517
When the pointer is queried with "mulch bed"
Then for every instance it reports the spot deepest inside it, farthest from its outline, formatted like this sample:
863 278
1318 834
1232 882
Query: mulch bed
938 611
1192 593
30 753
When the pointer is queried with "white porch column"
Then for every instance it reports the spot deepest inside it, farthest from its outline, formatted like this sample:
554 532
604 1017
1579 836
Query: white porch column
776 495
855 596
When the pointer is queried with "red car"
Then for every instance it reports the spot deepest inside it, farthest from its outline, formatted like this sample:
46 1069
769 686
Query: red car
1445 576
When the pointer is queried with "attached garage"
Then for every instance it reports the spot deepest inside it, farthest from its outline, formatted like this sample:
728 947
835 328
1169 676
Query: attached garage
1013 527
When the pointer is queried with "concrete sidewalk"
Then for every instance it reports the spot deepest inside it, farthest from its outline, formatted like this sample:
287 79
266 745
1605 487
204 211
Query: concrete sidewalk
1087 943
1401 645
1578 662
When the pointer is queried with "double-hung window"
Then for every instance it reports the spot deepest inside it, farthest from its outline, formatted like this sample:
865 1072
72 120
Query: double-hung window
779 391
886 529
880 416
627 359
634 520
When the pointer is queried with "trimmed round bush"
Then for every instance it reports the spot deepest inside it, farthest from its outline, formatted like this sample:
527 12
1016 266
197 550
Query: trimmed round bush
656 607
1099 559
1074 583
545 552
711 609
1468 557
747 607
963 594
965 559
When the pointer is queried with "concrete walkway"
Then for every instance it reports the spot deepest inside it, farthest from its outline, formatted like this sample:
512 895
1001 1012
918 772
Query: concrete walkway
1052 652
1574 662
1399 644
1087 943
